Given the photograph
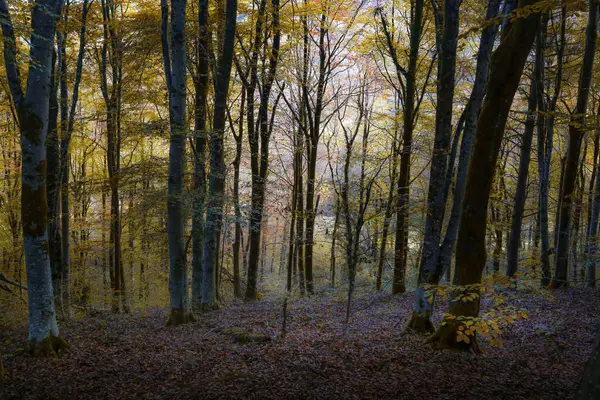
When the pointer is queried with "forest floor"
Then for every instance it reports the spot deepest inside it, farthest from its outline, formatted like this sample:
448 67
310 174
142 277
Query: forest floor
236 353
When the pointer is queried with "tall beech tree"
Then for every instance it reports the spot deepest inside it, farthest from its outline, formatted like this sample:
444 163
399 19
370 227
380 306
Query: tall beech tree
429 270
201 86
216 188
471 113
506 65
577 131
32 107
174 55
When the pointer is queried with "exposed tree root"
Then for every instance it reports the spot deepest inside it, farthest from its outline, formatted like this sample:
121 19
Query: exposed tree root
50 346
445 338
179 316
420 323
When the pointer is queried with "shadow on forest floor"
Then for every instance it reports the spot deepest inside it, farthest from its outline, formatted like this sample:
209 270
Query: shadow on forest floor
236 353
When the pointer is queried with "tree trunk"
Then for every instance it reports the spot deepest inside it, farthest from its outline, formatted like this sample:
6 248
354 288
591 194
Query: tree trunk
217 164
486 43
175 72
201 87
576 133
399 279
429 269
33 112
514 241
507 66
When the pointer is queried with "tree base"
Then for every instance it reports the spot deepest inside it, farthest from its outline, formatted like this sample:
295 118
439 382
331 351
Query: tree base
557 284
445 337
179 317
420 323
208 307
48 347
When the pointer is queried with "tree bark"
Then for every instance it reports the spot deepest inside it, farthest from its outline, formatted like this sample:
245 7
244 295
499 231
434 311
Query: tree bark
429 269
201 86
33 113
216 191
507 66
576 133
514 241
174 55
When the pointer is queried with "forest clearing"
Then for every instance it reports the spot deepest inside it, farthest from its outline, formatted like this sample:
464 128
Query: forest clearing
238 353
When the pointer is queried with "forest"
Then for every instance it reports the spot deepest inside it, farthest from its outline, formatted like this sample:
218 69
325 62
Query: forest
299 199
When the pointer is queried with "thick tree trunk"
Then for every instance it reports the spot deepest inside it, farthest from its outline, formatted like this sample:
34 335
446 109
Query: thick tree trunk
576 133
33 112
486 43
175 71
507 66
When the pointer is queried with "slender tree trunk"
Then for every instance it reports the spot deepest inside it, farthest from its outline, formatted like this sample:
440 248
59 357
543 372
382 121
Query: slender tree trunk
399 279
429 269
216 190
576 133
201 86
514 241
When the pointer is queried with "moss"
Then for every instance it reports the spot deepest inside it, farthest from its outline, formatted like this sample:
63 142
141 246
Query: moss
179 316
420 323
445 336
50 346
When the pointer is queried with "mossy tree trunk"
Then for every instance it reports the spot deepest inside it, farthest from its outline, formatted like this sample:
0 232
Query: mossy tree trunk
33 113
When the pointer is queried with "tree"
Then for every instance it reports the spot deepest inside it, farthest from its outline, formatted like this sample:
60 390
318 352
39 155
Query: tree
216 195
201 86
174 55
576 132
429 270
33 111
507 66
